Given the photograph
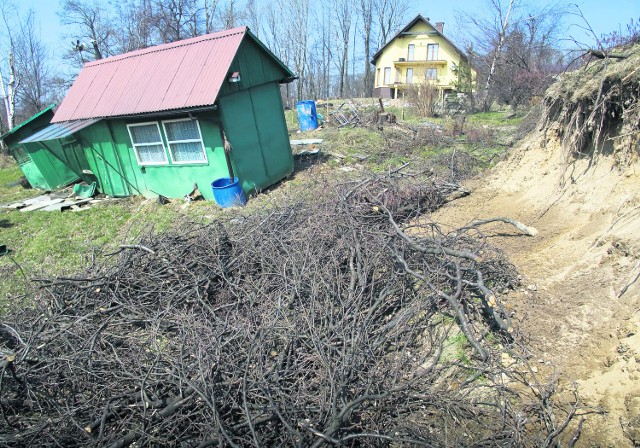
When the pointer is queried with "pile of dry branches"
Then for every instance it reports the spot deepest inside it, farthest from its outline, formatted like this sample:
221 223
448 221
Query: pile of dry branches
310 324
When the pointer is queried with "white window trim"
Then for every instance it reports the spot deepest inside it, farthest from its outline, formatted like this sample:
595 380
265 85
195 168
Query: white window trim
387 79
198 140
135 149
411 54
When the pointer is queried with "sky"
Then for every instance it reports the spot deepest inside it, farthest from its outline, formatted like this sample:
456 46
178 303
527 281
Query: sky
603 15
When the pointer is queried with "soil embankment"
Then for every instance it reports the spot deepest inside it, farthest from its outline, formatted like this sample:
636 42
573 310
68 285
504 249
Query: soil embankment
579 305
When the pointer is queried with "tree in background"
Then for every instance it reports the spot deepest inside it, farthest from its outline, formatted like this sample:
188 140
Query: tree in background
516 48
390 16
341 38
135 25
33 62
94 35
365 10
629 35
325 46
27 80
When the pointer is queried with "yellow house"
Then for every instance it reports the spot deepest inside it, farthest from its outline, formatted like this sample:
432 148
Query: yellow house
419 52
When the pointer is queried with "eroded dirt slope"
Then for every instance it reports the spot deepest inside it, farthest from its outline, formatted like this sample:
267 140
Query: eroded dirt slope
579 305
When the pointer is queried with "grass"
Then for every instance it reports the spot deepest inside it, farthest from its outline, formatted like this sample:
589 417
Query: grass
10 173
495 119
55 242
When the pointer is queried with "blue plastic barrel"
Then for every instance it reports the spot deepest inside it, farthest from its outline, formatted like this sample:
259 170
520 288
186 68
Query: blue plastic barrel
227 193
307 115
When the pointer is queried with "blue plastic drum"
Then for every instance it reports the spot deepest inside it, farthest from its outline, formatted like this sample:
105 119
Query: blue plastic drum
307 115
227 193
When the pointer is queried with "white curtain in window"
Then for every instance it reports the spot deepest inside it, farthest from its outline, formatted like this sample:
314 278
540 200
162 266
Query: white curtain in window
182 130
184 141
151 154
187 152
147 133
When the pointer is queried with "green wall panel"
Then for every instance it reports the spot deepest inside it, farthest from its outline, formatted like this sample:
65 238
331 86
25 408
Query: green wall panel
110 156
53 172
256 128
44 170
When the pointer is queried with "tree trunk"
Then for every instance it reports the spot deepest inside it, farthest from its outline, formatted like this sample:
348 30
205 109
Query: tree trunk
503 33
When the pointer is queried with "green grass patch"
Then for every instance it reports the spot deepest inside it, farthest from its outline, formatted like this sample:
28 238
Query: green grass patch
10 173
55 242
495 119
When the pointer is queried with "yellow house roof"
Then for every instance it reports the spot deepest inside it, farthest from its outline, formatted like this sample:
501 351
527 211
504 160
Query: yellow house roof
410 25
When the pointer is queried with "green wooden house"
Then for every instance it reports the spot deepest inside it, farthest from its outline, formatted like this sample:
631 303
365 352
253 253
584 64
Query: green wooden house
153 122
39 165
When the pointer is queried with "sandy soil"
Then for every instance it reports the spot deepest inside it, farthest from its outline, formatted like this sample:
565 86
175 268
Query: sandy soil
587 252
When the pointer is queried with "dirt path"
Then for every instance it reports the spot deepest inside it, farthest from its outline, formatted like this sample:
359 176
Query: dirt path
587 251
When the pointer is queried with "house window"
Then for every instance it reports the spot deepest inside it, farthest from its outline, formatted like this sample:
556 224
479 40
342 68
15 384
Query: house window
387 75
378 77
409 75
398 75
147 143
185 141
432 73
432 52
412 49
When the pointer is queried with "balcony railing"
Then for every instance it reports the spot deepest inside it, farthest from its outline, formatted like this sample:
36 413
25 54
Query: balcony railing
421 62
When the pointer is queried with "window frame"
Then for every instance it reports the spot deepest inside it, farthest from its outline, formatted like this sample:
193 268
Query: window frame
409 76
435 74
387 76
136 145
411 52
166 136
436 48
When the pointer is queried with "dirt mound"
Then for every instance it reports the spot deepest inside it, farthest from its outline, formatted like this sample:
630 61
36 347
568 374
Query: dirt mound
580 306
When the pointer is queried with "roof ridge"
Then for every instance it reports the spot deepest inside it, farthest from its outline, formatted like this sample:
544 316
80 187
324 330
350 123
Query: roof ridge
169 46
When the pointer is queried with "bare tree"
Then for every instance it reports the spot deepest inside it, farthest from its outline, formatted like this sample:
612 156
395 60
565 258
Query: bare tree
343 19
297 26
177 19
365 10
33 64
389 15
210 9
230 14
9 85
515 45
134 28
502 34
93 30
253 17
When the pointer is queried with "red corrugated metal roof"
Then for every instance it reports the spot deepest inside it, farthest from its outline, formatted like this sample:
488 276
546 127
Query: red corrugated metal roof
179 75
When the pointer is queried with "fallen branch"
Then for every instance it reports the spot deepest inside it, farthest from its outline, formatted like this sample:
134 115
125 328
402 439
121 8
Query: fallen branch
517 224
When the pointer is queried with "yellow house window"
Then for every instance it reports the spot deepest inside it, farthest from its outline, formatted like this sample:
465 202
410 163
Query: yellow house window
432 73
411 52
432 52
409 75
387 75
398 75
378 77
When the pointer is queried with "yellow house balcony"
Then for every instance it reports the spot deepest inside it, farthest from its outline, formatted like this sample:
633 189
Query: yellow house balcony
422 63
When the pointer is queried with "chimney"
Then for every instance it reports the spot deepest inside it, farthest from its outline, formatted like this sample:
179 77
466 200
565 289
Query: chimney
440 27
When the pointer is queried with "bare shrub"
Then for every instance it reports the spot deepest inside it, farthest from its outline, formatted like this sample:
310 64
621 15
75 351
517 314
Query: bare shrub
424 96
480 136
